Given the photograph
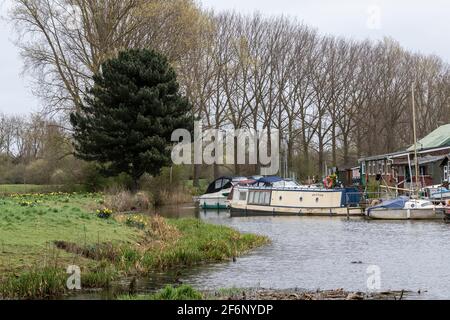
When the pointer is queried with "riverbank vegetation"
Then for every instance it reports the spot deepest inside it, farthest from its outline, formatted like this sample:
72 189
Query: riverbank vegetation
185 292
42 234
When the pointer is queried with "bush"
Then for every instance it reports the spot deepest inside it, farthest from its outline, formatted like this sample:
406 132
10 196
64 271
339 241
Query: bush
37 172
104 213
169 187
125 201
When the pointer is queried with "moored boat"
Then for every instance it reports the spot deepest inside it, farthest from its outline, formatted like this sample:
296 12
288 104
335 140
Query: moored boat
404 208
217 193
447 211
276 196
440 194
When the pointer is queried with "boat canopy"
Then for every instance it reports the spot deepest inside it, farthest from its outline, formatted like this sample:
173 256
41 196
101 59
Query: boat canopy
224 183
397 203
220 184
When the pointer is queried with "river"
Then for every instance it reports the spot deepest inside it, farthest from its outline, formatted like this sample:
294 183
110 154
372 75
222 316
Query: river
326 253
329 253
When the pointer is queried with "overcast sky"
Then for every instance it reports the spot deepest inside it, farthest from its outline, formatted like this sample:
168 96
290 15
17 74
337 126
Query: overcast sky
418 25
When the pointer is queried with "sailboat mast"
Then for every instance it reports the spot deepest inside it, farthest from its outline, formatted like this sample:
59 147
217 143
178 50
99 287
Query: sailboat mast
416 159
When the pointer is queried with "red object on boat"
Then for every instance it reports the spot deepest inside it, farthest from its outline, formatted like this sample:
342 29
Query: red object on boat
246 182
242 183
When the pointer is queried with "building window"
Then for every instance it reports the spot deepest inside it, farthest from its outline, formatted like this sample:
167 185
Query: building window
363 168
423 171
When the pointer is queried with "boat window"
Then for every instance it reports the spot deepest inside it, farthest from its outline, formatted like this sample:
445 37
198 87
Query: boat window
219 184
251 196
259 198
426 204
262 197
268 196
242 196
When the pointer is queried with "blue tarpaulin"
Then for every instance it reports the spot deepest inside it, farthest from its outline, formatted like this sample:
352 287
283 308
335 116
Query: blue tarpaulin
398 203
352 197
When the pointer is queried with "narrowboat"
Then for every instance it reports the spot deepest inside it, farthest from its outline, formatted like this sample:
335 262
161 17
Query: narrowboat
275 196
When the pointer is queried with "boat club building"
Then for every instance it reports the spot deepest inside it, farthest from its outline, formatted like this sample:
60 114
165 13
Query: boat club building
395 169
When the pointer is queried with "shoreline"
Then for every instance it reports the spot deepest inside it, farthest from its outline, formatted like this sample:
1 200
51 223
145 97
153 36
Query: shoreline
305 295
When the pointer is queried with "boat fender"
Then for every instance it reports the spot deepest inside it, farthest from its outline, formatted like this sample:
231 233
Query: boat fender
329 182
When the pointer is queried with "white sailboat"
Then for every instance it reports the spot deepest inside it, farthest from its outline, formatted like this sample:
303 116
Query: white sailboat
404 208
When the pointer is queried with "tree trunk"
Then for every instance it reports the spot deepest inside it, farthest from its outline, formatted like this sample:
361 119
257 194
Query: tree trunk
196 179
346 149
334 145
321 157
236 165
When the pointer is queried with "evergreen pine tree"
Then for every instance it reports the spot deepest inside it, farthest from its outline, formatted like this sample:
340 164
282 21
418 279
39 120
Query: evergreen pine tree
130 113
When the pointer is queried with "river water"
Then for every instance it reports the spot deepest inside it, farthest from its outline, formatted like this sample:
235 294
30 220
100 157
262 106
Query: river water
330 253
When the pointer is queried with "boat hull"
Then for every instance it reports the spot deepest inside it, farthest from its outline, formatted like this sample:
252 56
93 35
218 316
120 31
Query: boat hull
405 214
292 202
250 211
214 201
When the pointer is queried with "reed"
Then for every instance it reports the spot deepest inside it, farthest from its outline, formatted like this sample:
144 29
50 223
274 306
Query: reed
183 292
44 283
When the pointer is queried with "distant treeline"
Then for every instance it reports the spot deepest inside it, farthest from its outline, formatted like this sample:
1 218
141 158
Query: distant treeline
334 99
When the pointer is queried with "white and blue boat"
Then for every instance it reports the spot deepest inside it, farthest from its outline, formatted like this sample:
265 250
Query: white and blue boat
404 208
216 196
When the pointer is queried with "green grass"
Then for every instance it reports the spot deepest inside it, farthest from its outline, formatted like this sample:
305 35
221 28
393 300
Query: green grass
183 292
30 224
42 234
201 243
33 188
42 283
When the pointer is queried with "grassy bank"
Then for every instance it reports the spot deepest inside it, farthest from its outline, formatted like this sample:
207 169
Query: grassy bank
42 234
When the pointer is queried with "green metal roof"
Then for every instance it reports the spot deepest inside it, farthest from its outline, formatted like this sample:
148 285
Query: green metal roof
438 138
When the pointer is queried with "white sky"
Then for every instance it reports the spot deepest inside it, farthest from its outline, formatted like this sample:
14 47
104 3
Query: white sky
419 25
